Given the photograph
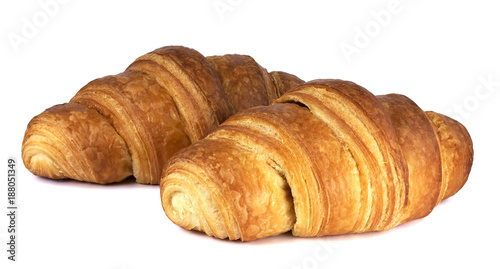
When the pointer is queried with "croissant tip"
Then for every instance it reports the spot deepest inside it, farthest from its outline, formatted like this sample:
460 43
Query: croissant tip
42 165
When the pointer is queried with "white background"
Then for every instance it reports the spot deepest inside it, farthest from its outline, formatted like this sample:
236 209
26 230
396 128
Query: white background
435 52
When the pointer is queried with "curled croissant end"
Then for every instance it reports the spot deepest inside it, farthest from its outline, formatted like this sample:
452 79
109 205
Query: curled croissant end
74 141
326 158
457 153
133 122
194 201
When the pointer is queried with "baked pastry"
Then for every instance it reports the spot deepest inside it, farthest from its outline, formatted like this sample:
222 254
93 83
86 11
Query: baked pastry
326 158
133 122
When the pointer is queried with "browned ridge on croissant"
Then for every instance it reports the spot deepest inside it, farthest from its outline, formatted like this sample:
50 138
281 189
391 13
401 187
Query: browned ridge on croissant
133 122
326 158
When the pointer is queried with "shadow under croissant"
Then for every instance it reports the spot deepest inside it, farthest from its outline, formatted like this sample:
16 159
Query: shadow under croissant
127 182
287 237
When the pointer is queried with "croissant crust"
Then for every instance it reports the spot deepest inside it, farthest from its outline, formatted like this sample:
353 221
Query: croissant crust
327 158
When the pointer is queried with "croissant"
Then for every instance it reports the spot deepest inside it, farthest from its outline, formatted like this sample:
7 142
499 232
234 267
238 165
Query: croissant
327 158
133 122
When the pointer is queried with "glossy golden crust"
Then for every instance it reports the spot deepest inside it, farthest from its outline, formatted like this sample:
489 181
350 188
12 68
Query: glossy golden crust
245 82
284 81
243 215
421 150
74 141
144 114
353 163
161 103
361 124
191 82
457 153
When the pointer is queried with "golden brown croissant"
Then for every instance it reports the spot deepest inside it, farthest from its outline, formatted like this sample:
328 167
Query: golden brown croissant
326 158
133 122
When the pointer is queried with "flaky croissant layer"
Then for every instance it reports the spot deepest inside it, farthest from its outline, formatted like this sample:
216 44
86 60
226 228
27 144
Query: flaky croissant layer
132 123
326 158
